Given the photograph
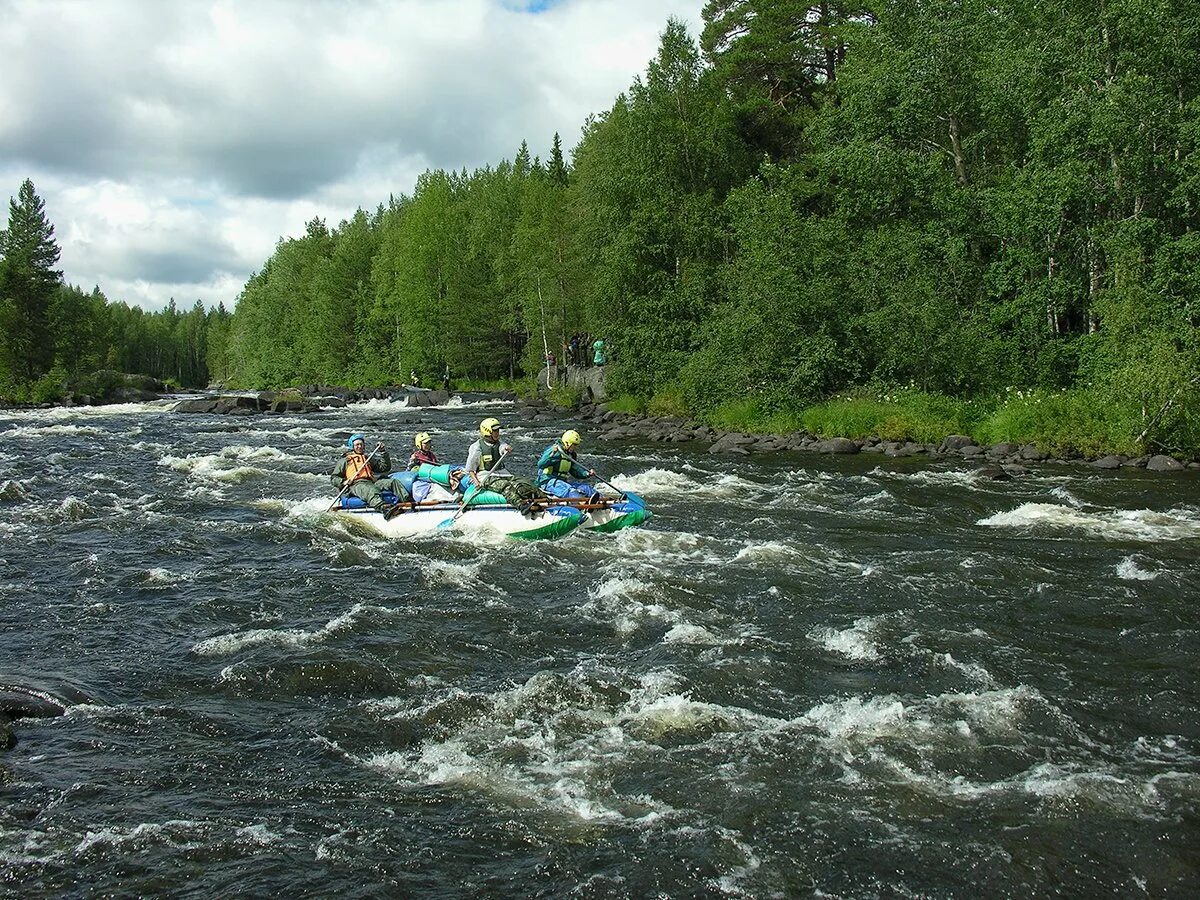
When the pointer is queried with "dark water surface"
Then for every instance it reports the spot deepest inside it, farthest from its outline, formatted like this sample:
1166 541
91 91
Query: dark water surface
883 679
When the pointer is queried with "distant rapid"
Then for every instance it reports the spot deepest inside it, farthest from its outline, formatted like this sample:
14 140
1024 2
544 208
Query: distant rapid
829 676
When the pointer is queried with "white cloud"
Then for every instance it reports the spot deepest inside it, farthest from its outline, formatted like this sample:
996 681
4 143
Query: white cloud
174 143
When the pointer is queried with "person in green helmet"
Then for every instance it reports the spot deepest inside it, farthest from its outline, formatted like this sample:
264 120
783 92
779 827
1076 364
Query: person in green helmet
560 474
359 474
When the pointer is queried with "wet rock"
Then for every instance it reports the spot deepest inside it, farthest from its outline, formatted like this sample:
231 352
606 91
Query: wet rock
1164 463
1138 462
1015 470
196 406
998 451
18 702
1031 453
955 442
971 451
1110 462
993 473
734 440
838 446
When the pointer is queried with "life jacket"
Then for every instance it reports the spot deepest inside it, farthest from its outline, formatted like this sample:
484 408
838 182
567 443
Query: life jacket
563 467
357 468
489 455
419 457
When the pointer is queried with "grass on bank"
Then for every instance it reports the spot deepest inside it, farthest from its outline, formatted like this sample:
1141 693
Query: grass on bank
1057 422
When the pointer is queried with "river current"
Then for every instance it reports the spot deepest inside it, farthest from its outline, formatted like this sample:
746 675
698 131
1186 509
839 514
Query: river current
806 676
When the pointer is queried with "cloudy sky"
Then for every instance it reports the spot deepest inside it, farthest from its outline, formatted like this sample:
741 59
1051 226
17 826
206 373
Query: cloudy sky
175 141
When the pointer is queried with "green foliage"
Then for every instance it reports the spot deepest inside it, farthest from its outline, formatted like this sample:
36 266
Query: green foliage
1063 422
892 415
627 404
50 388
668 401
566 396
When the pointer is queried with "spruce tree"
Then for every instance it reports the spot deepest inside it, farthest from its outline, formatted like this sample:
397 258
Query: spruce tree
28 284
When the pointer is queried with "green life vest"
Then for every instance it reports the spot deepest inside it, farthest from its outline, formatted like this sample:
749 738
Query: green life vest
564 464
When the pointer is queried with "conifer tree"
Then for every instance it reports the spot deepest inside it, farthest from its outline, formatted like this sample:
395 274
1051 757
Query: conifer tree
28 284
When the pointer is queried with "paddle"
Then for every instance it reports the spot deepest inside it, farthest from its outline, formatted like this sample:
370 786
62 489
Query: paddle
346 486
468 493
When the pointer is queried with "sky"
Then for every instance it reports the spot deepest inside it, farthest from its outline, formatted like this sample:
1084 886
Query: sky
175 141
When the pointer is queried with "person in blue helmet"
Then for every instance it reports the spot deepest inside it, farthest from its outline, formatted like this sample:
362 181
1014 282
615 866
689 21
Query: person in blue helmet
363 475
559 474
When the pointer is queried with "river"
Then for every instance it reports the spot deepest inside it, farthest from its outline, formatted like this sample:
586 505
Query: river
829 676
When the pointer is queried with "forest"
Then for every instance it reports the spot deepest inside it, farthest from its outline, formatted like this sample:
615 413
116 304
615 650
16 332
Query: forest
900 218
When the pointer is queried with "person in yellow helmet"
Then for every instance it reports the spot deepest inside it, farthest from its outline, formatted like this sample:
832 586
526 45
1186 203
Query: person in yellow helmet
485 454
560 474
424 453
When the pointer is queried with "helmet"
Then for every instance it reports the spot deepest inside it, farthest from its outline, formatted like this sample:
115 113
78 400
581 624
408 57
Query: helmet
487 426
354 437
570 439
421 439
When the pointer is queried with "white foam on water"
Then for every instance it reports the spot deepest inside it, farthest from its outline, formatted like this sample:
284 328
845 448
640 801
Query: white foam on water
164 577
69 413
457 402
444 572
26 431
229 464
663 548
856 642
258 834
616 600
560 742
178 833
971 670
1139 525
224 644
876 499
657 482
691 634
1129 570
1066 497
945 477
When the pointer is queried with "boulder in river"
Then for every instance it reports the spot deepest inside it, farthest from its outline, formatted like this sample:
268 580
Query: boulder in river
1109 462
837 445
1164 463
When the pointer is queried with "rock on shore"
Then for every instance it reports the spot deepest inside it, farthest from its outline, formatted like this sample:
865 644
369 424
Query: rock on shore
1003 460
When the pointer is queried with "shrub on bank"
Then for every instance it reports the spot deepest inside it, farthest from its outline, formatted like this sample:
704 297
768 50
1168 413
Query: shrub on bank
1063 422
627 404
891 415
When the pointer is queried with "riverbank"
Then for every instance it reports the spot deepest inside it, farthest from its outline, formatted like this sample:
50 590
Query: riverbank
1003 458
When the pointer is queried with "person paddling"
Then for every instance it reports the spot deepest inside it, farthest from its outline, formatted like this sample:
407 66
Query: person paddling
560 474
360 474
424 454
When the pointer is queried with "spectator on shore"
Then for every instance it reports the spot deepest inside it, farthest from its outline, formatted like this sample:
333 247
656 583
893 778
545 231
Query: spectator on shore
414 379
599 358
446 378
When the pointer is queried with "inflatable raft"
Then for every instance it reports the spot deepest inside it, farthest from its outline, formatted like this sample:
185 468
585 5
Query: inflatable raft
489 511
